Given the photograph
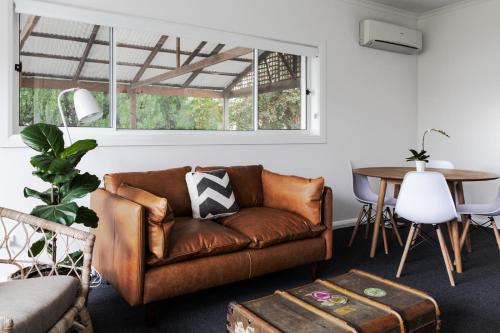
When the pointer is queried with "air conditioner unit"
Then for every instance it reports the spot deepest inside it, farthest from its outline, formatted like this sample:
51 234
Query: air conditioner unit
389 37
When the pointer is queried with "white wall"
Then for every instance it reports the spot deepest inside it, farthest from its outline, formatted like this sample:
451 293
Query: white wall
459 88
371 95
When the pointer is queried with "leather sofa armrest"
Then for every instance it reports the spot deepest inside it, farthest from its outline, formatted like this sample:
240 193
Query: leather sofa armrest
327 220
119 251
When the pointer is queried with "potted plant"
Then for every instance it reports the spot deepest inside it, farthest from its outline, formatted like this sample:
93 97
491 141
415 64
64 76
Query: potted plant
422 157
56 165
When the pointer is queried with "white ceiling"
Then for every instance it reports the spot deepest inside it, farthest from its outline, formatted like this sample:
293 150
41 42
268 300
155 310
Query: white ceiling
417 6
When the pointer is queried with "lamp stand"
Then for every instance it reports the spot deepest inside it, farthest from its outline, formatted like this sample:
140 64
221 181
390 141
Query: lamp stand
62 113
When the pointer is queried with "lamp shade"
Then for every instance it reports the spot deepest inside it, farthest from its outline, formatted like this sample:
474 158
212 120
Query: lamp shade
86 106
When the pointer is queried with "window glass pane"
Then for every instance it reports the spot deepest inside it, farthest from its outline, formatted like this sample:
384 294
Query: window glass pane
279 94
57 55
167 82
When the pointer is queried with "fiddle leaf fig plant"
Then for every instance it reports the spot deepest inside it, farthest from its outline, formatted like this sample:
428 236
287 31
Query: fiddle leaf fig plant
56 165
422 154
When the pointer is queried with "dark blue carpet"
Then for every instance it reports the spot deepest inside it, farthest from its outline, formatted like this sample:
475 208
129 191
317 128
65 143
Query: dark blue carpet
473 306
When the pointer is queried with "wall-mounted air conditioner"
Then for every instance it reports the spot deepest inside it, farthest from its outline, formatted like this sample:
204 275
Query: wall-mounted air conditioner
389 37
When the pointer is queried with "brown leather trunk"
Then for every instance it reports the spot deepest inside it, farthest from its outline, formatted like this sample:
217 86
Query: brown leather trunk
353 302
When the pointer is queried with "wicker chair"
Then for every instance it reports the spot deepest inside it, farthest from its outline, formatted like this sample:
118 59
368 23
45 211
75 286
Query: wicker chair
61 280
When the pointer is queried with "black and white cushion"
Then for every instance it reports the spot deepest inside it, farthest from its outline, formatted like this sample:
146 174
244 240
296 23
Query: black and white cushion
211 194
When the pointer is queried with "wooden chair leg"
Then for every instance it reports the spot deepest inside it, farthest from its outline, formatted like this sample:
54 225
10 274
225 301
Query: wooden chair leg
368 221
495 231
417 232
395 228
448 225
409 241
465 232
446 255
358 221
384 238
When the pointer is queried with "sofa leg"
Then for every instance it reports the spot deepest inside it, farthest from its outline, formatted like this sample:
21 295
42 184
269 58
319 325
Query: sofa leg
151 314
314 271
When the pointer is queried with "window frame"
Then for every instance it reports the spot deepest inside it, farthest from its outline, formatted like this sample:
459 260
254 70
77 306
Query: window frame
315 103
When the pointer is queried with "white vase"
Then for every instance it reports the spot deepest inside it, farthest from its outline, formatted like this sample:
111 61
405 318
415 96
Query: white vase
420 166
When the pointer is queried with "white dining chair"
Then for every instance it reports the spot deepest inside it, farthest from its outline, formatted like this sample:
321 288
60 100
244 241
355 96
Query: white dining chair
425 198
489 210
365 195
440 164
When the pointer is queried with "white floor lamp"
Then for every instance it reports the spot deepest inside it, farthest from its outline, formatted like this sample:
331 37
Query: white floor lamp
86 107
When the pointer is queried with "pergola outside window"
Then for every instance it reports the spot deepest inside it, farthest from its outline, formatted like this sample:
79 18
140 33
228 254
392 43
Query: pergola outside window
154 81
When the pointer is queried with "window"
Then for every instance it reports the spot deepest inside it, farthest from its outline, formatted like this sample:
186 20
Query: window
164 79
56 55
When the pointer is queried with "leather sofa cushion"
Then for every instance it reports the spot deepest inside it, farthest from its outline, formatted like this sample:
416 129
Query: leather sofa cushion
246 182
295 194
170 183
268 226
156 207
194 238
159 214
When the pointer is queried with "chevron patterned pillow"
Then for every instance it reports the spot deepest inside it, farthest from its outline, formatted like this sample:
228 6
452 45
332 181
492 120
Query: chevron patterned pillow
211 194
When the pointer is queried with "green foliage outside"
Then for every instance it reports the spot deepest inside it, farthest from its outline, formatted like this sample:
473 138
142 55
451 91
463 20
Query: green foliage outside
40 106
277 110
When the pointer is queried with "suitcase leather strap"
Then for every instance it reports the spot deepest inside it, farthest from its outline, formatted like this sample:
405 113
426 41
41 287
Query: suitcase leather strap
323 314
401 287
366 300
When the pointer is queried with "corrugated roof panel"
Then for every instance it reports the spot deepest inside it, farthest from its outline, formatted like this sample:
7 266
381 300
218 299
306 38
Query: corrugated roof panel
100 52
125 73
177 80
94 70
54 46
63 27
167 59
131 55
229 66
210 80
49 66
186 44
103 34
142 38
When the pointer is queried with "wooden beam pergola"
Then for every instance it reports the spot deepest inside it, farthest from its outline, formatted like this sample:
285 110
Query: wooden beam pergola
150 58
287 65
120 63
193 76
48 83
28 30
244 73
86 52
215 59
123 45
195 52
274 86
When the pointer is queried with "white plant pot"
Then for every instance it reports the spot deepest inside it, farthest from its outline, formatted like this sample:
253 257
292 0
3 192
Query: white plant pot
420 166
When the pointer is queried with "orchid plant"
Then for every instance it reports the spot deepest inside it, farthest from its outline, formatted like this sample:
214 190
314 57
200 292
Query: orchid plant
422 154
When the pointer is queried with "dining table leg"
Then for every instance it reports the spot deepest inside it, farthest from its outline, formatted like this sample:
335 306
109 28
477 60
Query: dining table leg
461 200
378 216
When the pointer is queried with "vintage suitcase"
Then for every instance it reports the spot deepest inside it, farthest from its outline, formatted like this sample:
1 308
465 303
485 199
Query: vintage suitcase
353 302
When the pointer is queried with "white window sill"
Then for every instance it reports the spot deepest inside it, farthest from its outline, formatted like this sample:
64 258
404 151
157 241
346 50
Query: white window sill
111 138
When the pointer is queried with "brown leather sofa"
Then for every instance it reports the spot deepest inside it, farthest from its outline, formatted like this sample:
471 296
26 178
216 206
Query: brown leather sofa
202 254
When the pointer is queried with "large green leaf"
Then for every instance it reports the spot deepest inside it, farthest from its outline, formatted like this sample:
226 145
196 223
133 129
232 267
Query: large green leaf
79 187
43 138
36 248
87 217
44 196
79 147
62 213
74 258
50 164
